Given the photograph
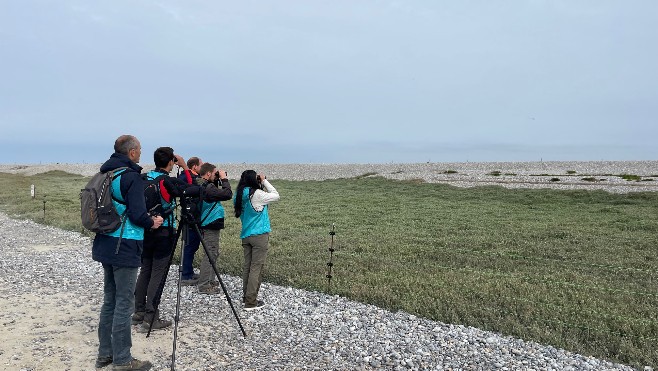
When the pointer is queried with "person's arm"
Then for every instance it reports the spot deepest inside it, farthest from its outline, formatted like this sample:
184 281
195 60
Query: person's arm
173 187
186 175
214 194
264 197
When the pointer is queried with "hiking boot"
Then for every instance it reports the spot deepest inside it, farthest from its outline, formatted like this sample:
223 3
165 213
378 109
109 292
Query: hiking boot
103 361
159 324
190 282
259 305
137 318
208 289
135 364
214 283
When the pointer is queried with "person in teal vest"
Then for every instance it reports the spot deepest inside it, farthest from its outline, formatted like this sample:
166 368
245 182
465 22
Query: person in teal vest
158 243
211 221
252 197
119 252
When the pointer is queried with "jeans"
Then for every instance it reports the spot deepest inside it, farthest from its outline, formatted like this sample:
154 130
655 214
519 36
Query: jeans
118 303
255 252
190 249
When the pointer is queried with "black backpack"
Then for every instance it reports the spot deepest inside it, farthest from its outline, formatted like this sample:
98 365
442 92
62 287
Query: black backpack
97 211
152 195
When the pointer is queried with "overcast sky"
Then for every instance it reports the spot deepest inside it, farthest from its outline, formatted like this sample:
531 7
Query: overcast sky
330 81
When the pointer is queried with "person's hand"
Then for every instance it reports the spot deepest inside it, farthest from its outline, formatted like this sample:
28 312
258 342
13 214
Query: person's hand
157 222
261 177
222 174
180 161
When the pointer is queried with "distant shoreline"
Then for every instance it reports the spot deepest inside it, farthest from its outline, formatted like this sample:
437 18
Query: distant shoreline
590 175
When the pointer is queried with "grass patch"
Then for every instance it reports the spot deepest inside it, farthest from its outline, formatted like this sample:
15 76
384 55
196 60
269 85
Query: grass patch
589 179
571 172
366 175
495 173
630 177
450 172
573 269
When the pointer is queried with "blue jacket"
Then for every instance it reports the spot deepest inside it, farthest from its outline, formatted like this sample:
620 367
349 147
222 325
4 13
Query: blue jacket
132 191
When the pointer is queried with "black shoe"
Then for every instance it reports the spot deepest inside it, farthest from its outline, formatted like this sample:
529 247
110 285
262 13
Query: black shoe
190 282
137 318
259 305
135 364
208 289
157 325
103 361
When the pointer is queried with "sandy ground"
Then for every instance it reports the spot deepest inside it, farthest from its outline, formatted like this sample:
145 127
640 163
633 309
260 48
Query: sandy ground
49 311
56 331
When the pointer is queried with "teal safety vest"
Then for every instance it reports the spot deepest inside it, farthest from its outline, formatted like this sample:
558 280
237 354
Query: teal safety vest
130 230
253 222
211 211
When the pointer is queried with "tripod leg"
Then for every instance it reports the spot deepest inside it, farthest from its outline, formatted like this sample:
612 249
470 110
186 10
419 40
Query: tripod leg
221 283
178 289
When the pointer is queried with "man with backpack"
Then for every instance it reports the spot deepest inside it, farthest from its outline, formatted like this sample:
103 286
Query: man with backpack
216 188
158 243
120 252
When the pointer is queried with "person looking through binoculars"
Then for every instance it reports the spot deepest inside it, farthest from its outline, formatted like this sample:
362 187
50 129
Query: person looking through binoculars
158 242
216 188
253 195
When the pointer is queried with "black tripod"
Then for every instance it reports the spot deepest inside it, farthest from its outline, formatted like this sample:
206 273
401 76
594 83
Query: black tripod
187 220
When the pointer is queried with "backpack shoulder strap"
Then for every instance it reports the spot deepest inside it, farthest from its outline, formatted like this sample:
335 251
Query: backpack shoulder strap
115 173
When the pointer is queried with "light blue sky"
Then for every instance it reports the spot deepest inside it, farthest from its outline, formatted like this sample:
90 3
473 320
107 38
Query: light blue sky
330 81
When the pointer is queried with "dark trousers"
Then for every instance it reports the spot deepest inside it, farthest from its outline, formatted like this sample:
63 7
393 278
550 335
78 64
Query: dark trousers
189 250
155 262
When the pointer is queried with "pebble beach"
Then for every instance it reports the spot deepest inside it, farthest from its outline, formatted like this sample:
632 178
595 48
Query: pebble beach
51 293
592 175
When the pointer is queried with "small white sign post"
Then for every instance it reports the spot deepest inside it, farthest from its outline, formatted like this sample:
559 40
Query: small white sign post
33 191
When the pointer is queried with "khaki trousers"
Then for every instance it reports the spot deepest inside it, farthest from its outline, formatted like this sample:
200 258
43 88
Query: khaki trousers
255 252
211 238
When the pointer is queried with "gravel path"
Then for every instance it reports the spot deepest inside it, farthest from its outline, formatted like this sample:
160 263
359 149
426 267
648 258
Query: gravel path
51 292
